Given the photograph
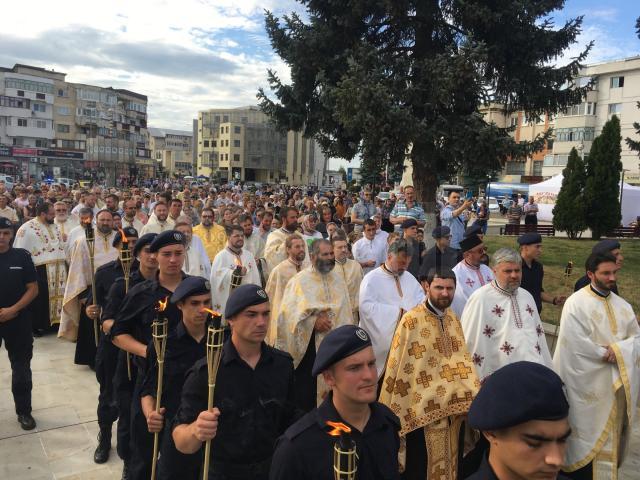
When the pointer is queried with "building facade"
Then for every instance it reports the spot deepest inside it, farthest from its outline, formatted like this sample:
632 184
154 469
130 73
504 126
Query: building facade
51 128
242 144
172 152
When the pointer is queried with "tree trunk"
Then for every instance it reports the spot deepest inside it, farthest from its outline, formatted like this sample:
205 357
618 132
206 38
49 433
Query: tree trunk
425 183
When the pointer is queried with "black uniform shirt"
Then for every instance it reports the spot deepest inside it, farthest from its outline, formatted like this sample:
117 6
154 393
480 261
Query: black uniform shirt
182 352
106 276
138 310
116 294
532 281
305 451
16 270
256 405
434 258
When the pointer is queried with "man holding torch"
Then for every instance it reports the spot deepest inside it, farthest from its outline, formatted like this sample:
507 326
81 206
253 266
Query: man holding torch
253 397
131 331
367 440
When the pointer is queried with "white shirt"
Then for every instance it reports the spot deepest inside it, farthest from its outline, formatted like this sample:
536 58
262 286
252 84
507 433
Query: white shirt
365 250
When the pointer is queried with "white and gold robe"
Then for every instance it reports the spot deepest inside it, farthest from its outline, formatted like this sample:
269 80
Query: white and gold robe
255 244
44 243
277 282
196 260
603 396
275 250
383 298
468 280
156 226
80 278
223 266
502 328
306 295
352 274
429 383
136 223
65 228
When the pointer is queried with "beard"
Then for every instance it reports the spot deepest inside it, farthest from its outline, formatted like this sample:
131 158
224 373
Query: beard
325 266
50 221
300 257
441 303
604 287
104 229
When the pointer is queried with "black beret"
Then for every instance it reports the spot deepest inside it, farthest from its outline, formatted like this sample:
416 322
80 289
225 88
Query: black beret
189 287
605 246
170 237
338 344
473 230
5 223
408 223
470 242
128 232
143 241
441 231
530 238
518 393
242 297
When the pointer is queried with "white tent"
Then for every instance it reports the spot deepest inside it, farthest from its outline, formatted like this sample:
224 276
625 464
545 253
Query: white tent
545 194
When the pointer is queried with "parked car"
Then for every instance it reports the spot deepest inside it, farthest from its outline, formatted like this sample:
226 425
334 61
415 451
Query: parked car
494 206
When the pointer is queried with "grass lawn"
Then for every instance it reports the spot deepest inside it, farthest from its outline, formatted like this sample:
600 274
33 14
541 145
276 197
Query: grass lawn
558 251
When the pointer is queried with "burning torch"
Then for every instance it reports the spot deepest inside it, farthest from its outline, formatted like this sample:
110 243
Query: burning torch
236 275
215 339
345 457
159 331
125 260
91 244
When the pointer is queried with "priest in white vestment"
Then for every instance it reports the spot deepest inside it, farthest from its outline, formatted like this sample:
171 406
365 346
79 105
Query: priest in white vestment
279 278
232 267
598 358
500 321
252 239
158 222
196 260
64 221
275 250
350 269
129 218
314 302
85 216
386 294
42 239
471 273
79 280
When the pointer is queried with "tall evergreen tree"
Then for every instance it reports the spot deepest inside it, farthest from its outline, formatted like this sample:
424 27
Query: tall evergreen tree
569 211
602 190
381 78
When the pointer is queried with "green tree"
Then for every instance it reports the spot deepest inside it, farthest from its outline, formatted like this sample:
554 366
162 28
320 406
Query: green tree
380 78
569 212
602 189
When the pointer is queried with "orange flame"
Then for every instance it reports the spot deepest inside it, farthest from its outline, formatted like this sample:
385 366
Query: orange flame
212 312
338 428
124 237
237 261
86 222
162 305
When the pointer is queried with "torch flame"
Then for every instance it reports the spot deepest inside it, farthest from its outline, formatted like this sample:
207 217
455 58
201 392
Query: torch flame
338 428
124 237
86 222
212 312
162 305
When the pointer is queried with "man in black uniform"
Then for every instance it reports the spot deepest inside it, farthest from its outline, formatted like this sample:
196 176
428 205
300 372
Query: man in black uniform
18 288
603 246
253 395
131 332
523 412
185 345
441 255
532 271
345 358
107 353
125 374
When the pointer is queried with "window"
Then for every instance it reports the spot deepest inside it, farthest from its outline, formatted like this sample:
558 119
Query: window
236 143
237 129
14 102
40 96
41 124
221 129
575 134
617 82
206 144
214 143
21 93
226 157
549 144
226 143
236 157
537 168
615 108
62 128
226 129
515 168
556 160
32 86
225 119
64 111
60 92
42 143
22 122
39 107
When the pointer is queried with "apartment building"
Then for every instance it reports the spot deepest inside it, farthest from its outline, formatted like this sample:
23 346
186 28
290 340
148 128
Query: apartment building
242 144
52 128
172 151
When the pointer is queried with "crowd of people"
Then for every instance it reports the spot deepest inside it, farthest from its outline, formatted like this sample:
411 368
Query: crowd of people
337 320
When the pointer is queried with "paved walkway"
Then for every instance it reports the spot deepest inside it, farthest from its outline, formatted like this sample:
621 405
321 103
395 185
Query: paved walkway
64 407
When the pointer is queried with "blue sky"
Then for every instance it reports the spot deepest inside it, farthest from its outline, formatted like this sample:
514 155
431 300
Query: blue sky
190 55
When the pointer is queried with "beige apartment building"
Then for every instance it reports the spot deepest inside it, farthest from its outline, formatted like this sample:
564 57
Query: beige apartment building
242 144
172 150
